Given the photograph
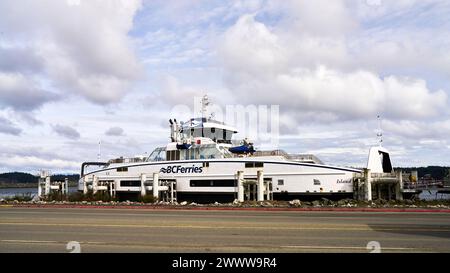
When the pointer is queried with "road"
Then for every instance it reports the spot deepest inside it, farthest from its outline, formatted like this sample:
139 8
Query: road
125 230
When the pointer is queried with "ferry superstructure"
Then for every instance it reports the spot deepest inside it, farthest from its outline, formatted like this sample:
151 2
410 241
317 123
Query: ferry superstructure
202 162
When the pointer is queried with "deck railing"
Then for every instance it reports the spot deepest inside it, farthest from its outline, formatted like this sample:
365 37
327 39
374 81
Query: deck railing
126 160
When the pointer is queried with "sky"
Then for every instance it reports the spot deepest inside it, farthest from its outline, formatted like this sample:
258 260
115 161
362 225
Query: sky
74 73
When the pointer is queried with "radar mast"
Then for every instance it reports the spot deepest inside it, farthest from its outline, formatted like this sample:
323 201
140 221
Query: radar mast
205 103
380 132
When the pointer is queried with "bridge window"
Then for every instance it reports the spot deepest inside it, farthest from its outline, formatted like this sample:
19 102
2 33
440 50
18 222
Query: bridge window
173 155
254 164
159 154
122 169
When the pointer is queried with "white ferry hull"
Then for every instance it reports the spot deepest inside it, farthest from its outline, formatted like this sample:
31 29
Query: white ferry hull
289 179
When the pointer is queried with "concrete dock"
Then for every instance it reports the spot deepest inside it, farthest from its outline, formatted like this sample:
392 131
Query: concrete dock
117 230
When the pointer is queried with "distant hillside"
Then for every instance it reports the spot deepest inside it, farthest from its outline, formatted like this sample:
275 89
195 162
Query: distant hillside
20 177
436 172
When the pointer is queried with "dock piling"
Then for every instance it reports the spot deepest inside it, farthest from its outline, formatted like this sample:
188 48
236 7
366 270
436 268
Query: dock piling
156 185
399 185
240 182
143 179
368 184
260 180
47 185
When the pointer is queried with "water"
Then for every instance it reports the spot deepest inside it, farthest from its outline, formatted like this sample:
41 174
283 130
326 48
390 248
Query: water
26 191
431 195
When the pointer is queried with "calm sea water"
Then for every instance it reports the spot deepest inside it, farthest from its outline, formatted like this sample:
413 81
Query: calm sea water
425 195
433 195
19 191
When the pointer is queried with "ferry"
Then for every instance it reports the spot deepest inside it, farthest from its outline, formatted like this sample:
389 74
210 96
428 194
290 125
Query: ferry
203 163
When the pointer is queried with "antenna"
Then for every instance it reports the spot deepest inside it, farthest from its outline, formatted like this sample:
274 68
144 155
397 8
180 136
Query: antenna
205 103
380 131
99 150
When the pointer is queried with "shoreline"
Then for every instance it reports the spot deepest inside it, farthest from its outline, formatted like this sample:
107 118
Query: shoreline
17 187
435 207
212 208
26 186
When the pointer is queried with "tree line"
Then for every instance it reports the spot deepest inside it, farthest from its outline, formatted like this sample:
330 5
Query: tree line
21 177
436 172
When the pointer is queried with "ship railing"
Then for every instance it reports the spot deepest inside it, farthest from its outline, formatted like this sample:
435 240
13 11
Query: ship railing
126 160
305 158
383 175
271 153
294 157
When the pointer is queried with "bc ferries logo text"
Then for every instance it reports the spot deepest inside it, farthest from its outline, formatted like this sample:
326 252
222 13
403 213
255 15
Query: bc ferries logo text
180 169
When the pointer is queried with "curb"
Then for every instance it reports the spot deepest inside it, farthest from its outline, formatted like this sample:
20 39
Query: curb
146 207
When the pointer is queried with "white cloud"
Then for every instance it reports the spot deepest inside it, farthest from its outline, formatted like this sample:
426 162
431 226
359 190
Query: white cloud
320 17
331 65
250 48
19 59
20 93
7 127
31 163
66 131
172 91
114 131
256 59
419 130
83 48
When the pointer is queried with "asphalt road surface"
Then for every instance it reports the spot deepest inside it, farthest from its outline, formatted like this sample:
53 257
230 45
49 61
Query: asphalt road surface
115 230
